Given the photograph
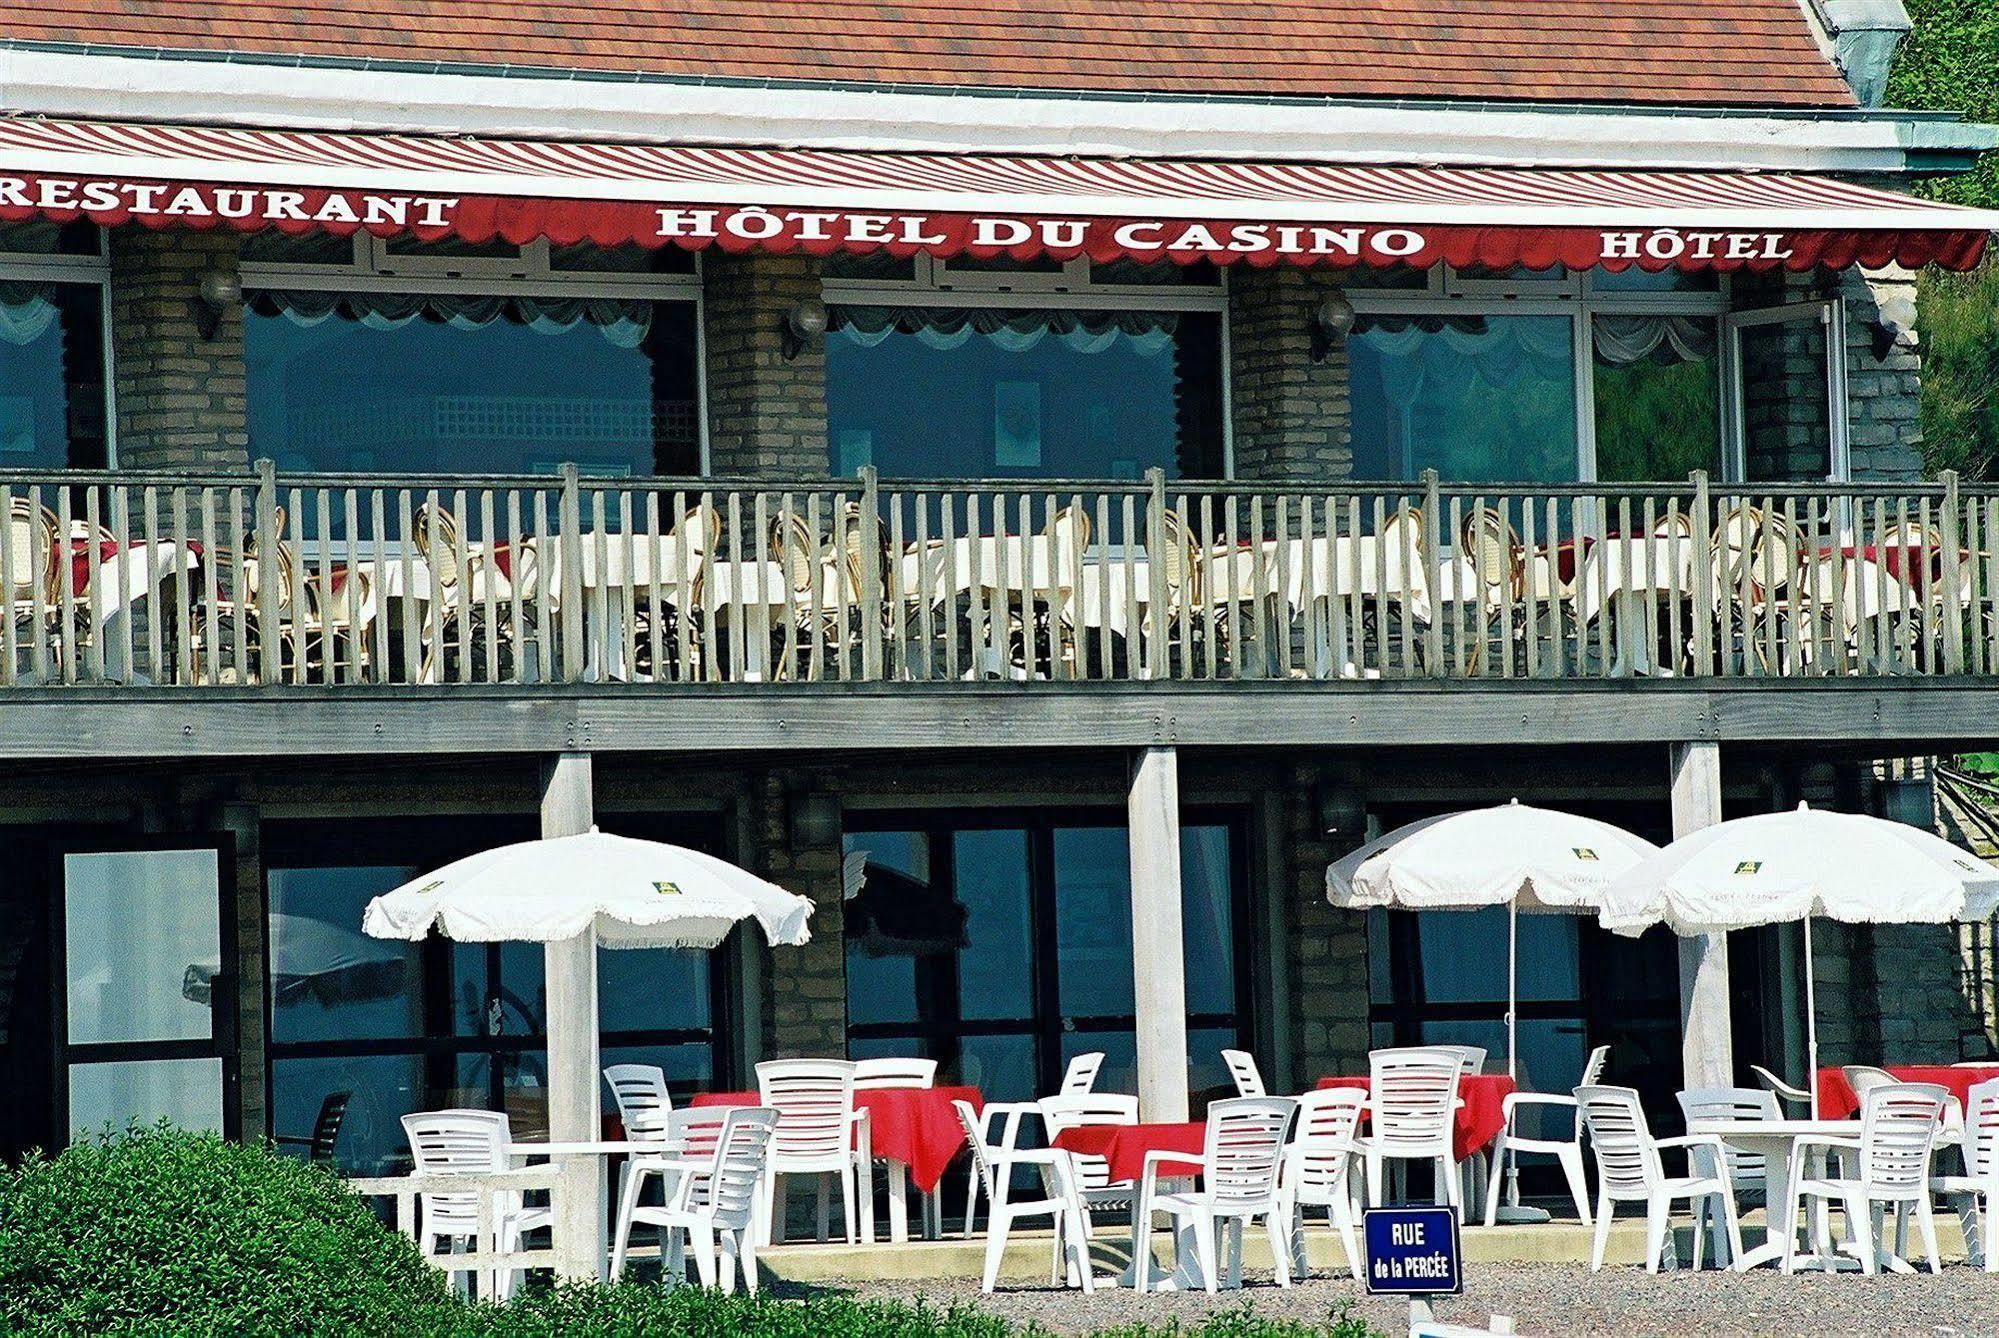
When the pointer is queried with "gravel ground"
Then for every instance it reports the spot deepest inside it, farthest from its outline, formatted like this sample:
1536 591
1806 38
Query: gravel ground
1551 1299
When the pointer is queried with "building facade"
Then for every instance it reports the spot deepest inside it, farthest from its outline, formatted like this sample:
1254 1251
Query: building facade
323 460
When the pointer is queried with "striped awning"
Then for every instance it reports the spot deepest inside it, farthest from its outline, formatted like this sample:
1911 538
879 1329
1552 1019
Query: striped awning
822 201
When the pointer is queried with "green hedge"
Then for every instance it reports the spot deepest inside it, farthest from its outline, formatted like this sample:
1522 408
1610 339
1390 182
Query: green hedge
160 1231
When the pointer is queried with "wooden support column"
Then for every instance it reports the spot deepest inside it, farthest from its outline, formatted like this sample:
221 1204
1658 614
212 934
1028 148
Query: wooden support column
1159 991
1707 1048
571 982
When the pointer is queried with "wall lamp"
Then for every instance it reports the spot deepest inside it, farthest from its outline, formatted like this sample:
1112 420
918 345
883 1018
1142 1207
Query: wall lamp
217 291
805 322
1332 319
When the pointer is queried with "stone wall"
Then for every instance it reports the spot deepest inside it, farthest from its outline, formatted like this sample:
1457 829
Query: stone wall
807 1013
181 398
1883 374
766 412
1290 414
1327 947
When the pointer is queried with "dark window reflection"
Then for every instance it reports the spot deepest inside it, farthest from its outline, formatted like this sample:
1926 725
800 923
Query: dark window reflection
930 392
1001 947
391 383
51 375
365 1030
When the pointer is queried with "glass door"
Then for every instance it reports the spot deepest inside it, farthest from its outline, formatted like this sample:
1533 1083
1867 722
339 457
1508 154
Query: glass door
1785 393
149 991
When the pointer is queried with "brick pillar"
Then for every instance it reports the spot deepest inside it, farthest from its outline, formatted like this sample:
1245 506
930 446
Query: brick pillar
766 413
1291 415
181 398
808 985
1883 375
1329 959
243 822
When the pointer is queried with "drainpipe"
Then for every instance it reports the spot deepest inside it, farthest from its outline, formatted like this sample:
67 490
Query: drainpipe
1861 37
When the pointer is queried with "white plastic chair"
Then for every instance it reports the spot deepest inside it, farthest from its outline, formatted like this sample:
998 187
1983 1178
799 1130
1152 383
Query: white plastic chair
873 1075
1864 1078
1785 1092
1568 1151
1412 1110
718 1199
468 1142
1976 1192
1242 1068
1748 1172
1093 1174
645 1109
817 1134
1081 1075
876 1074
1472 1056
1898 1132
1239 1165
1630 1170
1318 1169
1061 1204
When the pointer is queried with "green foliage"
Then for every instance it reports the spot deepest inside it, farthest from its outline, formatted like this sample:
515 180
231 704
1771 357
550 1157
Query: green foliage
1951 61
166 1229
165 1232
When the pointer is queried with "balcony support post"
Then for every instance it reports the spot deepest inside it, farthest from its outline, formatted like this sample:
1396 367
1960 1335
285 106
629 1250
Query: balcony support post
1159 992
571 977
1707 1047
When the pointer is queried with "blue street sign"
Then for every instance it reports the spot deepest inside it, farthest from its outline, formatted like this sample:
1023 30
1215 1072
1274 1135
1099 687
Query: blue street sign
1413 1252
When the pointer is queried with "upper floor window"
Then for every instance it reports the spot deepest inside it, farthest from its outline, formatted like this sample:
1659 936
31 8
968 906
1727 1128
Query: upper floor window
453 357
1040 369
53 406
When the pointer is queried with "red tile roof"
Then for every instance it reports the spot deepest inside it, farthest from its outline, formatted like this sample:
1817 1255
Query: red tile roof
1735 52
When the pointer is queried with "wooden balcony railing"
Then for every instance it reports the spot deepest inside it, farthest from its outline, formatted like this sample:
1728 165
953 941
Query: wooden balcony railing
194 581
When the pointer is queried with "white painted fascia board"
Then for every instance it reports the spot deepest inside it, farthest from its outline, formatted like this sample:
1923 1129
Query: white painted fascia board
148 88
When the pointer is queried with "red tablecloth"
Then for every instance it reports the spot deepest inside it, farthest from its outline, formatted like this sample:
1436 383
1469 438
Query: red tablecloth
1124 1145
1837 1101
913 1125
1481 1109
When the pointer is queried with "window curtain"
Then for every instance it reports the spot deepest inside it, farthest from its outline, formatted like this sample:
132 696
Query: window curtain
1436 359
1622 340
624 322
27 310
1147 332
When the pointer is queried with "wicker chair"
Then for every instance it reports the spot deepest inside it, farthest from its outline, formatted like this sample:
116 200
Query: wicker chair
30 538
458 646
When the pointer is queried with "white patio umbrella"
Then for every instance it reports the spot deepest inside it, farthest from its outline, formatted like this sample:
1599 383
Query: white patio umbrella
1800 865
635 894
1513 855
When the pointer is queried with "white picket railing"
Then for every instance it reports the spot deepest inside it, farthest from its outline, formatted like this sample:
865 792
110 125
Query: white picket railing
199 581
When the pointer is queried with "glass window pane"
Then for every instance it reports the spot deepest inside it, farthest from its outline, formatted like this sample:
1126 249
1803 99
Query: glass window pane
391 383
1785 402
689 1068
946 393
51 376
1658 397
184 1092
1464 956
1093 921
1477 398
1636 280
523 1078
996 965
1002 1067
328 980
1120 1048
1207 918
143 941
882 982
1207 1076
652 989
379 1090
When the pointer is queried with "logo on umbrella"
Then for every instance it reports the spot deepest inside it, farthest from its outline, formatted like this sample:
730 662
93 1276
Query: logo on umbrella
1584 853
667 889
1749 866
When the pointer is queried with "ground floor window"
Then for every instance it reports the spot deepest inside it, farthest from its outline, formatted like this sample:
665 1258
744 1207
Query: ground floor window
376 1029
1000 945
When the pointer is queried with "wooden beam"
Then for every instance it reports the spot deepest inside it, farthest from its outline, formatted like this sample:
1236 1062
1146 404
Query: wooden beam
1706 1036
570 978
1159 972
130 723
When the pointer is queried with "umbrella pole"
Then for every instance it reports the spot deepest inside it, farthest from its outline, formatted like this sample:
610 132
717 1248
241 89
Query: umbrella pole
1511 1211
1811 1021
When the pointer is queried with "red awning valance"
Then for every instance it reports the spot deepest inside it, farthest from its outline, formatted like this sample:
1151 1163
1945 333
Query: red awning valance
822 201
